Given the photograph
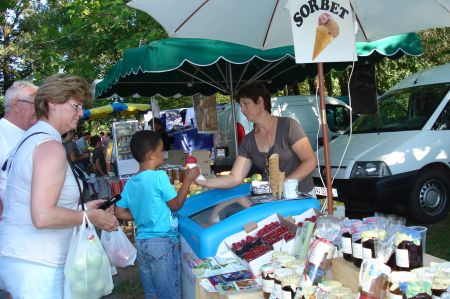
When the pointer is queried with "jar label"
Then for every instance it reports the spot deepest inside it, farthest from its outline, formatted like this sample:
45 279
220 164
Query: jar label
267 285
321 250
366 253
393 296
402 258
357 250
347 245
286 295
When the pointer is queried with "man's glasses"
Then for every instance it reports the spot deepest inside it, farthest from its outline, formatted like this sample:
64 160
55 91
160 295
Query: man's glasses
25 101
76 107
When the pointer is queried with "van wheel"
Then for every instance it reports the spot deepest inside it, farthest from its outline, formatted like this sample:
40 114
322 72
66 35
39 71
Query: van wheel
429 199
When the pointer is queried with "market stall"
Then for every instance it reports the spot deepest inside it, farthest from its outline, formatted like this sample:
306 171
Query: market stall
280 248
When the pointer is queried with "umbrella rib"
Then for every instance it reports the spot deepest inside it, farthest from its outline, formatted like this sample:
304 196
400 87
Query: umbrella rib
270 23
202 80
265 69
209 77
359 22
191 15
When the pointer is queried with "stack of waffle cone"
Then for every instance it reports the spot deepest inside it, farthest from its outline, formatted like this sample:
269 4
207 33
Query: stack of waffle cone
274 173
281 177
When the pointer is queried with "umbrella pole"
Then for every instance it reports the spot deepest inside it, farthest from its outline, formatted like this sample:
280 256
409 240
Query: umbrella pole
233 111
326 148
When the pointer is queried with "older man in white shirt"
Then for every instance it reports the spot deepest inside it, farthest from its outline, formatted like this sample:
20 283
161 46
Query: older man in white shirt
19 116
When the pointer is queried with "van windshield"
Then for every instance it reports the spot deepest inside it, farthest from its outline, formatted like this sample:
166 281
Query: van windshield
403 110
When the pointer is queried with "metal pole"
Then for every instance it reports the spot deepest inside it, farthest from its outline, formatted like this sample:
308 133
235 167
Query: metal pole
326 148
233 111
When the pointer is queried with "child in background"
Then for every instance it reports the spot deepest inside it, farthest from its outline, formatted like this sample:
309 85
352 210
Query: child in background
149 199
92 182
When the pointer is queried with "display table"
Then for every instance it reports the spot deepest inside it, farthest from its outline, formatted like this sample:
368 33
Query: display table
341 270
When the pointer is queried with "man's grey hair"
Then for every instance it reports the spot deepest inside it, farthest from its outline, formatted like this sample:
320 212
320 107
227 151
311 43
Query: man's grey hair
15 91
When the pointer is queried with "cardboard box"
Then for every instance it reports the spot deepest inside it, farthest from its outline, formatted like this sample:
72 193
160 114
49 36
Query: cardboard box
252 230
203 161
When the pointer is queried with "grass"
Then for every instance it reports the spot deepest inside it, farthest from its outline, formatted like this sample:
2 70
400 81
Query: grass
438 239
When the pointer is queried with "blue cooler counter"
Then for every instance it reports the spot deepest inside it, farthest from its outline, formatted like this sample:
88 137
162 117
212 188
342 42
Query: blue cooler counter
208 218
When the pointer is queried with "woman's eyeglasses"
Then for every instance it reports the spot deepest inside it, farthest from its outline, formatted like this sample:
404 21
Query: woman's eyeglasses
76 107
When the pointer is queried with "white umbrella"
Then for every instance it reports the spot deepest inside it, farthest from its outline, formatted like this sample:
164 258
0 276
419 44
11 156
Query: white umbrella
266 24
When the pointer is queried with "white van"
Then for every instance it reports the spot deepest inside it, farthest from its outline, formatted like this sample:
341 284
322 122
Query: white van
301 108
305 110
399 157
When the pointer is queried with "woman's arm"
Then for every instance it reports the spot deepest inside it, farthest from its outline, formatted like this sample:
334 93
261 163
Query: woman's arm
240 169
302 148
48 176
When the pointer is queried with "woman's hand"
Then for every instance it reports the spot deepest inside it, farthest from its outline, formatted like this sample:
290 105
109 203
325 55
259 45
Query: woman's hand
94 204
102 219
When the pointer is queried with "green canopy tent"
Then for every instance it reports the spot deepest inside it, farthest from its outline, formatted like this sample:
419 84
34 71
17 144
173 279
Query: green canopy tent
183 66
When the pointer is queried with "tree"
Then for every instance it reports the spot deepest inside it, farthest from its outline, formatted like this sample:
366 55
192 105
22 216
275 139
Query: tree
83 37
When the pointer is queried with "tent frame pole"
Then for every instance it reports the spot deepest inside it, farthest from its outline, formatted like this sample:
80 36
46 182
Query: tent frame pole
326 148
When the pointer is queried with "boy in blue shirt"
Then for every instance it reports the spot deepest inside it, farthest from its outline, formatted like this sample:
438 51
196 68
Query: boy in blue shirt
149 199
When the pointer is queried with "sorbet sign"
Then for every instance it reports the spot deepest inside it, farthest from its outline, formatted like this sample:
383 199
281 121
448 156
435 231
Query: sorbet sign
323 30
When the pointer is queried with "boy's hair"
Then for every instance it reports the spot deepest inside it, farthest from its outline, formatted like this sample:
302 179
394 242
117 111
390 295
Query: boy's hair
94 140
143 142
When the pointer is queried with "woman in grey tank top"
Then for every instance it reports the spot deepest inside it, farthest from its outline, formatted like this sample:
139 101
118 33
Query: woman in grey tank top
271 135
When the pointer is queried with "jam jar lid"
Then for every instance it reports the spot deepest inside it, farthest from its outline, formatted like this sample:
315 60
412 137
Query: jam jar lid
281 272
308 291
297 265
277 254
339 292
284 260
328 285
269 268
292 280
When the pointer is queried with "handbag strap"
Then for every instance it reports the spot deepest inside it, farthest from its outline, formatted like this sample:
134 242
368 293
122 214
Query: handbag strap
5 165
77 178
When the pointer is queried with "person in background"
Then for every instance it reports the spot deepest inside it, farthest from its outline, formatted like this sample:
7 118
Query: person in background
71 147
156 125
149 199
99 165
18 104
92 182
42 196
82 145
270 135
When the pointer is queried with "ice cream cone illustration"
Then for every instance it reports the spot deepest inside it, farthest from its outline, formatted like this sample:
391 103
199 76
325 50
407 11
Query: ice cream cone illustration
327 30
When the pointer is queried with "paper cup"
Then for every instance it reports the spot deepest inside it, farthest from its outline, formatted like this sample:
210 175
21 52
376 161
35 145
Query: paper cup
290 188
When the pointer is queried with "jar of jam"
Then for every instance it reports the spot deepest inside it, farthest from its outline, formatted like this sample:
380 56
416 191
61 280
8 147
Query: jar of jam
416 289
368 248
440 285
346 239
279 274
394 283
408 251
357 250
289 285
268 276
